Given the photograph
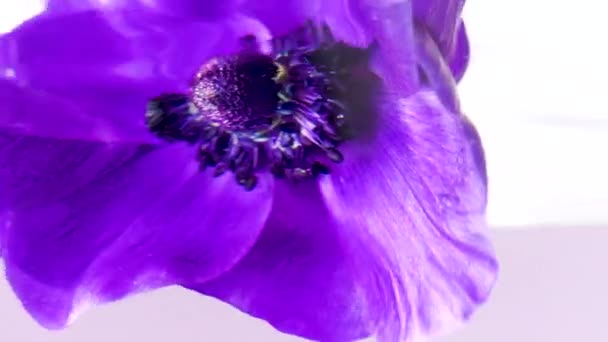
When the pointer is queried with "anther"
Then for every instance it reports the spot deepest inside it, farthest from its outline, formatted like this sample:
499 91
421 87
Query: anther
173 117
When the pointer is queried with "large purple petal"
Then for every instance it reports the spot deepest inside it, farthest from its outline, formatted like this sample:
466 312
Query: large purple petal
190 9
298 276
436 73
392 27
341 16
282 16
53 57
89 222
442 18
459 61
109 71
38 113
412 209
194 9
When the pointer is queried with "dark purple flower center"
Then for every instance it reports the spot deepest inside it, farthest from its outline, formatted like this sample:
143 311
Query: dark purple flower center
238 92
286 113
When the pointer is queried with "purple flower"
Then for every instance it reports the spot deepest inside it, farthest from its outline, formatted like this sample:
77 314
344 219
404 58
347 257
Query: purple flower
304 161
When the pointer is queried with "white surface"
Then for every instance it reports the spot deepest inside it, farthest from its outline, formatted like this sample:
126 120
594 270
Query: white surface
552 288
536 89
13 13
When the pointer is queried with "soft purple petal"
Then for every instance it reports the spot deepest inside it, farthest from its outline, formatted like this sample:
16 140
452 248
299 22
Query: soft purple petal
341 16
37 113
460 58
85 221
392 26
109 71
90 222
282 16
192 9
413 205
51 57
60 7
299 277
442 18
195 9
436 73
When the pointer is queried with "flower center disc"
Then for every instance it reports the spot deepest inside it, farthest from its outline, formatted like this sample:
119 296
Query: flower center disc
237 92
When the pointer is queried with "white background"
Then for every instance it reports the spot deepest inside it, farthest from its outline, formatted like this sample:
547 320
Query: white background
536 89
552 288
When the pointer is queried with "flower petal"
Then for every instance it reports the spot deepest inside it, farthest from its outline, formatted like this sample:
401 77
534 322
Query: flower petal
34 113
89 222
81 70
339 15
436 73
293 13
193 9
442 18
110 70
391 23
460 58
54 7
412 209
297 276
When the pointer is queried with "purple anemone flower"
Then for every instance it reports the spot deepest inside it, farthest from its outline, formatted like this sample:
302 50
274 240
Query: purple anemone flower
305 161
